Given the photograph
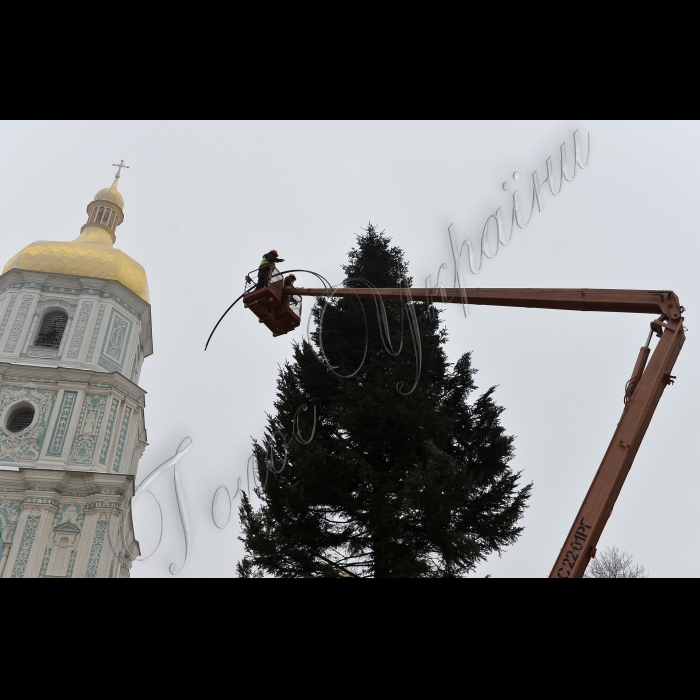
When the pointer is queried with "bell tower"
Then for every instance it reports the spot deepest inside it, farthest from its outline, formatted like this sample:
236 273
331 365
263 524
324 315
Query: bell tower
75 327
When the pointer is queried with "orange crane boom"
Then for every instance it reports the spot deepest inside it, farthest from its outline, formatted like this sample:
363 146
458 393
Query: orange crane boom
642 395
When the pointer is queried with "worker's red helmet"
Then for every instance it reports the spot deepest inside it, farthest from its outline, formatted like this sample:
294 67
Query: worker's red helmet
274 251
293 276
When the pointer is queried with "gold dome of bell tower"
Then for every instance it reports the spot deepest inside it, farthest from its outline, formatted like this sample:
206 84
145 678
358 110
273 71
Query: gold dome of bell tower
92 253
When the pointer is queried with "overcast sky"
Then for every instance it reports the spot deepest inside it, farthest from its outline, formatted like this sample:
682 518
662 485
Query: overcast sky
204 201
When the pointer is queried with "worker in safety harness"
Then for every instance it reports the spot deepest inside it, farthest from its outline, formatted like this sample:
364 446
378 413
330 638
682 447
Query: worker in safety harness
289 280
269 259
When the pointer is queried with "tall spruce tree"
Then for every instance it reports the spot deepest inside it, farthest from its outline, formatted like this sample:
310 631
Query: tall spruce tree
395 483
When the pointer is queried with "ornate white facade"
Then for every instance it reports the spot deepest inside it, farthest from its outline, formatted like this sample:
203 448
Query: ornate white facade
71 414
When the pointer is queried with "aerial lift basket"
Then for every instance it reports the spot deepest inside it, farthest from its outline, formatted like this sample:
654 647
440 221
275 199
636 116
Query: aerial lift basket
280 312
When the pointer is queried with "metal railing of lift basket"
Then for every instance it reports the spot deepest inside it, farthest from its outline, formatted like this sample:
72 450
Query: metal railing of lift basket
255 277
295 304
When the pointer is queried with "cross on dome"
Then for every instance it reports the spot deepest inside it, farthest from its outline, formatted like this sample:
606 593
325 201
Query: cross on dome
120 166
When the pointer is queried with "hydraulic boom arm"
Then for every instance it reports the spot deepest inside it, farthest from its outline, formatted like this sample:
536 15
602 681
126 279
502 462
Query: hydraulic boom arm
620 300
641 398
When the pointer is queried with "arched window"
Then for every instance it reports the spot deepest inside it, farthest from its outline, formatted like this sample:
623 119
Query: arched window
51 331
112 216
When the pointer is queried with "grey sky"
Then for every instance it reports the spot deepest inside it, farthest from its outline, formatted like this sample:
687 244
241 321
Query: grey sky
204 201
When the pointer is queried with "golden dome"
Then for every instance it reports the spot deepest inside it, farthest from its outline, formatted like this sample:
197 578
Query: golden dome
110 194
91 254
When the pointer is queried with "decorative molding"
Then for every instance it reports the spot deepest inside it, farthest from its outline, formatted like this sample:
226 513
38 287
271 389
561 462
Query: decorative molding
71 374
45 562
71 290
69 513
25 378
62 422
116 340
13 299
41 501
122 438
138 363
71 564
121 389
107 365
103 504
65 540
56 302
18 325
26 445
25 545
117 337
98 541
87 433
108 431
79 333
134 360
10 510
95 333
41 353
